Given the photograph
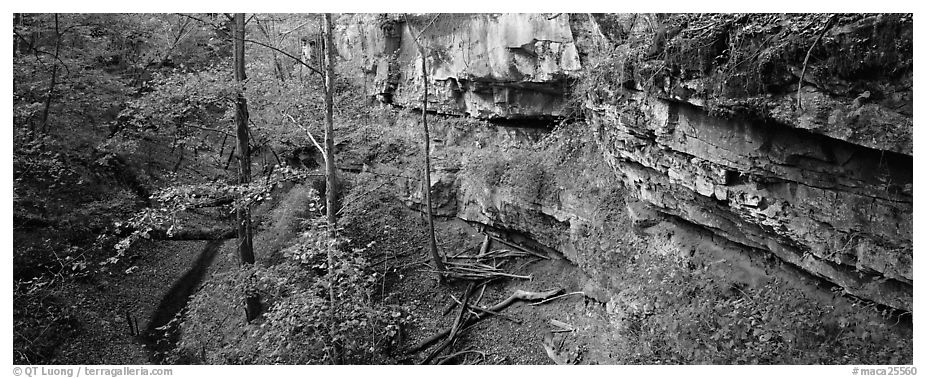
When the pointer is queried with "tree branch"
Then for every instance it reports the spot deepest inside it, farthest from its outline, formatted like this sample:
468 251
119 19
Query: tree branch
283 34
288 55
518 295
214 26
309 133
37 51
422 30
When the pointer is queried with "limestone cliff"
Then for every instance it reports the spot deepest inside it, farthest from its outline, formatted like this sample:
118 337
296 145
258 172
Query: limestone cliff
711 122
822 178
487 66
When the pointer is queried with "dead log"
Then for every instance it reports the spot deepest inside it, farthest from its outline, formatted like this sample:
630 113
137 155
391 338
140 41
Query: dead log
481 293
519 295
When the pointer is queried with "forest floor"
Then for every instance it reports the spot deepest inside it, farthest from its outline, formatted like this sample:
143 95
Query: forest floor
101 304
165 273
517 338
155 281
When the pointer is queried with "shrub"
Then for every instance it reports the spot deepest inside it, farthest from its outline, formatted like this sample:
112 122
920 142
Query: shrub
297 327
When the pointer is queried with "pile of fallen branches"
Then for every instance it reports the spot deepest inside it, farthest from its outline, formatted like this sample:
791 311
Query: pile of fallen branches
468 315
477 270
487 264
483 267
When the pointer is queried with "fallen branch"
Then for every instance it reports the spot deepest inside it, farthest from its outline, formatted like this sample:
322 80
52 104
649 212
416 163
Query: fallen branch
525 249
494 254
460 254
450 306
477 275
519 295
472 310
566 327
557 297
454 330
481 293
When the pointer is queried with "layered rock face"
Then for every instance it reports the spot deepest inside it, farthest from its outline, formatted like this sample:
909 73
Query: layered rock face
838 210
506 66
713 122
822 179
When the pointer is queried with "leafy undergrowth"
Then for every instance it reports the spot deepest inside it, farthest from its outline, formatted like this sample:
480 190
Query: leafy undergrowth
42 324
738 63
700 318
66 194
296 326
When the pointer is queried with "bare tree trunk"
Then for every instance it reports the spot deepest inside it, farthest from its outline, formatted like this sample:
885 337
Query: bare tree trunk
436 258
245 244
54 78
432 240
17 42
330 183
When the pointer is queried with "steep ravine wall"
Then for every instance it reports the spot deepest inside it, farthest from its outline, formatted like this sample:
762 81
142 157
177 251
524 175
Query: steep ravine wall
822 179
505 66
824 186
814 202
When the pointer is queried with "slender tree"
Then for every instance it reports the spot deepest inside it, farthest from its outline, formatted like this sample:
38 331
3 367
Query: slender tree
436 258
245 244
330 182
54 78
